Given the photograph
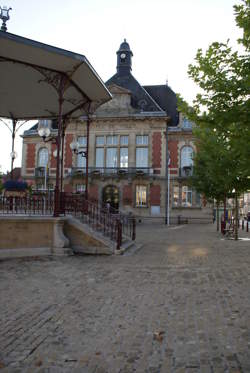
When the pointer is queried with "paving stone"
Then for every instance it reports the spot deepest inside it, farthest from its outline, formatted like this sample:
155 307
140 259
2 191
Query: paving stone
99 314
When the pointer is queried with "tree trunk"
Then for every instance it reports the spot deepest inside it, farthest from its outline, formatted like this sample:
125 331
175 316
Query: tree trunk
217 216
236 217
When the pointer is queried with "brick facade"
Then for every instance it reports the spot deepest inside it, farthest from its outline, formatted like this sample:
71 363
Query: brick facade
127 194
155 195
68 152
156 149
52 158
173 149
93 192
31 156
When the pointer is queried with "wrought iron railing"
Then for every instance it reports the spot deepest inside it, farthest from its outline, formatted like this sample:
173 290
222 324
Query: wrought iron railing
40 172
109 222
106 171
30 205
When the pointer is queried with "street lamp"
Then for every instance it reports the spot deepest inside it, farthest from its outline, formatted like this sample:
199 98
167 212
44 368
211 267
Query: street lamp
74 146
13 156
4 15
44 131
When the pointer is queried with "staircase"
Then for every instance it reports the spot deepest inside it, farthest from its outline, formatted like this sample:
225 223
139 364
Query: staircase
106 231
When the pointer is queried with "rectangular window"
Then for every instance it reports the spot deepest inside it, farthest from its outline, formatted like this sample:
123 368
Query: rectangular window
141 157
175 196
81 161
99 159
100 140
186 196
112 140
141 196
111 157
124 140
80 188
142 140
124 157
82 141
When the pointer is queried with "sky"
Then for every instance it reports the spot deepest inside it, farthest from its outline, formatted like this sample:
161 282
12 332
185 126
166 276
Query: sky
164 36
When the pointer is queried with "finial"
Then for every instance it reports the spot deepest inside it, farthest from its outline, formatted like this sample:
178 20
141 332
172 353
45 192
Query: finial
125 41
4 15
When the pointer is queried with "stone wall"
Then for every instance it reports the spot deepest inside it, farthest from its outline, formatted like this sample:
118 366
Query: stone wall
32 232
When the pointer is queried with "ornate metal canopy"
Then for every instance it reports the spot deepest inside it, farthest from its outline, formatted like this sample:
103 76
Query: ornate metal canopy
33 75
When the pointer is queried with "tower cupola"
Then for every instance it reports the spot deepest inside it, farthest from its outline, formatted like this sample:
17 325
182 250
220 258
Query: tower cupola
124 59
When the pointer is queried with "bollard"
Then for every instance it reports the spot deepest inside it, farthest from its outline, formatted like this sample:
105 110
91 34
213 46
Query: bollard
134 228
243 224
247 226
119 234
179 219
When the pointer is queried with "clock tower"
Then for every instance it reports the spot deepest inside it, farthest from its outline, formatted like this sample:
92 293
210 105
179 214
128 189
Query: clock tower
124 59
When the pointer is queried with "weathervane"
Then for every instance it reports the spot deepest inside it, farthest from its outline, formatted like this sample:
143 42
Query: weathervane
4 15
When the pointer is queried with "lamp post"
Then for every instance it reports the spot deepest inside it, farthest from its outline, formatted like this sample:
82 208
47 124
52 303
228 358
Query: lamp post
13 156
45 132
4 16
167 180
85 153
74 146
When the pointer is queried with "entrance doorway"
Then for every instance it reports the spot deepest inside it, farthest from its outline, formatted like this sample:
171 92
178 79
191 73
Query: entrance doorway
110 194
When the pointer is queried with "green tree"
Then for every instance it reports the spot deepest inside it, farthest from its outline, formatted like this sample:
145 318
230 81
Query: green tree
221 109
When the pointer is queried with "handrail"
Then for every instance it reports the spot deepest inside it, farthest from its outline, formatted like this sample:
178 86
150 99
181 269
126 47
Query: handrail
112 223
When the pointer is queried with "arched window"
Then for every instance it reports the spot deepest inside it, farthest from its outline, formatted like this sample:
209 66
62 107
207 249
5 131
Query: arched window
43 157
187 156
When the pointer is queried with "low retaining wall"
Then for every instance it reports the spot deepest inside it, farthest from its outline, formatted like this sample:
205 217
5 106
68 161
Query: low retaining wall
22 232
38 235
84 241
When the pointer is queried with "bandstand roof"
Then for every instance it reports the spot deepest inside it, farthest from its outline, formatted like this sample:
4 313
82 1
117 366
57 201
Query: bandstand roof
30 73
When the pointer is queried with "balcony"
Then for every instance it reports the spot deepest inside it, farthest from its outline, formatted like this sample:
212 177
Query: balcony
40 172
112 171
186 171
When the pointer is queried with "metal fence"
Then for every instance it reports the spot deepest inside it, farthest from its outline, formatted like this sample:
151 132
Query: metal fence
109 222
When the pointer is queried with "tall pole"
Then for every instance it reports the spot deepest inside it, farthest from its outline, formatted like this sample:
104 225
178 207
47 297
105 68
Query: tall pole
168 192
14 122
62 153
58 142
167 180
87 159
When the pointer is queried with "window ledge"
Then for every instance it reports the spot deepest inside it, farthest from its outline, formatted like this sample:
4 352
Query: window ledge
186 207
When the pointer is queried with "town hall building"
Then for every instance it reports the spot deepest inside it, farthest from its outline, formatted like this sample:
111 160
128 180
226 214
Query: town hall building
130 139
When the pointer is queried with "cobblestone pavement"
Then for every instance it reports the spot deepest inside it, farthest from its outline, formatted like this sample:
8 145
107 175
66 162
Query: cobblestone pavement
179 304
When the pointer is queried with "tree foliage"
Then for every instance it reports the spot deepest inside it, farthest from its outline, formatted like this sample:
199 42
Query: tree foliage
221 113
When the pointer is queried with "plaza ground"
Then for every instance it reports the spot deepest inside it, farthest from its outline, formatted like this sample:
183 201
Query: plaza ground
179 304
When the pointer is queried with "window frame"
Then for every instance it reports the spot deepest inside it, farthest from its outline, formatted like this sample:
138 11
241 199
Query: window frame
146 199
38 156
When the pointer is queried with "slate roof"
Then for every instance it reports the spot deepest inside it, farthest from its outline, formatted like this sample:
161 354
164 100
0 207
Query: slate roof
152 98
166 99
35 127
140 98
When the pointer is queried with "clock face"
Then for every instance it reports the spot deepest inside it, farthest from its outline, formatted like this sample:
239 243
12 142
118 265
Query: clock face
123 55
